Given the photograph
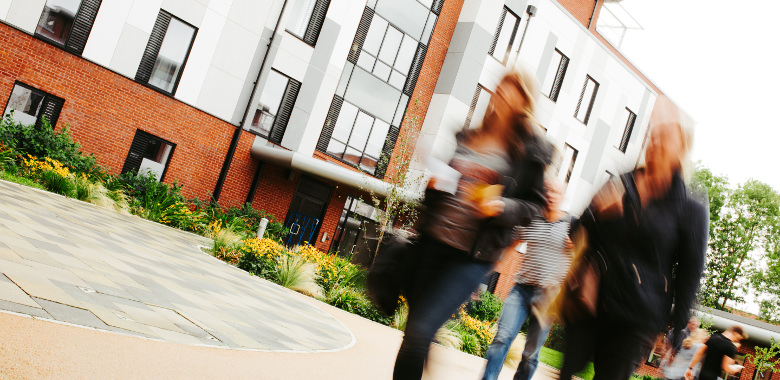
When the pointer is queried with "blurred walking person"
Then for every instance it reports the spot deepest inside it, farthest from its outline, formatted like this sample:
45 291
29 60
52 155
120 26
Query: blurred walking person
649 238
499 185
717 355
675 368
543 268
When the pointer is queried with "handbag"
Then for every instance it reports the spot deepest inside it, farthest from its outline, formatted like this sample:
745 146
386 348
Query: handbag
579 294
390 274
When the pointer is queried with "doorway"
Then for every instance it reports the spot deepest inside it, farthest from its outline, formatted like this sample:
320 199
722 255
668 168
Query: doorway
357 233
307 210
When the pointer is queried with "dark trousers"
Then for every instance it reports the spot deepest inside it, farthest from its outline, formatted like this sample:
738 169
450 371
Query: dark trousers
444 280
616 352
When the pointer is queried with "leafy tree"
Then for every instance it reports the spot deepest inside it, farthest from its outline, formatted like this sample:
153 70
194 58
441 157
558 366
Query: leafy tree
742 221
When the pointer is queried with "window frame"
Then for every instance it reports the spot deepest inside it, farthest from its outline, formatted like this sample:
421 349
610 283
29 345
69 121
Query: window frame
152 52
283 113
376 58
572 163
80 30
346 143
48 98
314 24
560 75
497 35
136 142
591 101
474 103
627 131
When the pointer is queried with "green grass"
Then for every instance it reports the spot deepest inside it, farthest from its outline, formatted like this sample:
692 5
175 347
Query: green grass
6 176
555 359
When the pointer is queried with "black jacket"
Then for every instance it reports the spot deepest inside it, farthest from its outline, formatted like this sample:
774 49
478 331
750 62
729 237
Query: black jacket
653 259
523 197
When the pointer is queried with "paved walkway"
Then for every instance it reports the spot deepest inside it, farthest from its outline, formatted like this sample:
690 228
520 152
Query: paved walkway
178 312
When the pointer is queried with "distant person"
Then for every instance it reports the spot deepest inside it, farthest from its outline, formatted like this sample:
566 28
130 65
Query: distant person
690 328
497 185
649 238
543 268
718 355
677 366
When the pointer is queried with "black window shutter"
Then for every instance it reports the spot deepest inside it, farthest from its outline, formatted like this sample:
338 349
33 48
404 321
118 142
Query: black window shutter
360 36
556 89
414 73
50 109
437 6
153 48
285 110
498 32
627 132
493 282
82 26
592 100
315 23
387 152
472 107
135 156
330 123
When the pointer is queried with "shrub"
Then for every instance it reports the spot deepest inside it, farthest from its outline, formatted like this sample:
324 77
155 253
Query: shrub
44 141
97 194
487 308
448 336
258 256
333 270
356 302
294 272
244 220
400 317
476 334
54 182
557 338
7 157
226 242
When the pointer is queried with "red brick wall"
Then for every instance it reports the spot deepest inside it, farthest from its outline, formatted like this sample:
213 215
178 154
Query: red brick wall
507 267
582 10
104 110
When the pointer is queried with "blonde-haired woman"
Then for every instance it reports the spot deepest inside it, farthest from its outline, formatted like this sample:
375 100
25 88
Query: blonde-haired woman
650 237
501 166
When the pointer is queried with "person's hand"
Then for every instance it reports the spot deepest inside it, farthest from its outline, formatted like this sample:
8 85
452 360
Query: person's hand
568 245
491 207
689 374
608 202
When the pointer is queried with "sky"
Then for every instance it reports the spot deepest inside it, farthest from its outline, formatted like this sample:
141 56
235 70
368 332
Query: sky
719 61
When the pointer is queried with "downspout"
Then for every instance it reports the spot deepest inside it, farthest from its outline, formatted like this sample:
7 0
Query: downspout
237 135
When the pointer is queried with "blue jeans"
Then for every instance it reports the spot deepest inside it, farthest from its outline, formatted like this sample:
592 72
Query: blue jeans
444 279
517 308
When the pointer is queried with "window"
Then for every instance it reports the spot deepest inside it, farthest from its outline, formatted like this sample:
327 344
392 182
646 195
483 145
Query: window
567 164
387 52
358 138
627 131
166 53
555 74
275 106
68 23
505 35
30 106
478 107
148 154
587 98
308 16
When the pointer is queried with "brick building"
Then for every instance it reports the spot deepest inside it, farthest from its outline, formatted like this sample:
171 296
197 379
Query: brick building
295 105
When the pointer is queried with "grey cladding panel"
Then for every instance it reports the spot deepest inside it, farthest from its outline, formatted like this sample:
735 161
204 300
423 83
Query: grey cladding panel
460 73
448 74
595 151
547 54
325 45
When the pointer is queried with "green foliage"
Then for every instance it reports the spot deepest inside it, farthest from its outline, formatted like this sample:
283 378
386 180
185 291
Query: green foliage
486 308
744 227
294 272
400 317
554 359
55 183
356 302
556 340
8 157
243 220
45 141
764 357
643 377
10 177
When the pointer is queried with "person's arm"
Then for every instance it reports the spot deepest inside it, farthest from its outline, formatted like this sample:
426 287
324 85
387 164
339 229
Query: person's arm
696 359
520 212
726 365
691 251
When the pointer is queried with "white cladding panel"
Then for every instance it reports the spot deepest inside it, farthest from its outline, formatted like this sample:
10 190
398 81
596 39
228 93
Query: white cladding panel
107 32
200 58
25 14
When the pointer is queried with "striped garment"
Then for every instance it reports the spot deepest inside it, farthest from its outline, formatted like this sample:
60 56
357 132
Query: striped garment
546 259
